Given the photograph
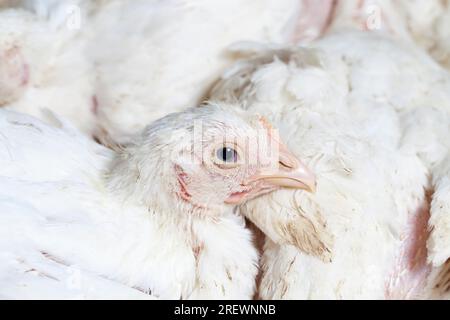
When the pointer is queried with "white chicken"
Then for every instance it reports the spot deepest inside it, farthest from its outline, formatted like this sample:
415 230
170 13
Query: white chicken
370 115
179 49
81 221
43 62
118 65
423 22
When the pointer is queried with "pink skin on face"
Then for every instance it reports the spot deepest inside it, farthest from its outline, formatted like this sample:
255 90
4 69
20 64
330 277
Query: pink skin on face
213 183
250 191
94 105
16 68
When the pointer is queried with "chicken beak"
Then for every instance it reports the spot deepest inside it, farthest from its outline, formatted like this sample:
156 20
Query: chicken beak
291 173
295 179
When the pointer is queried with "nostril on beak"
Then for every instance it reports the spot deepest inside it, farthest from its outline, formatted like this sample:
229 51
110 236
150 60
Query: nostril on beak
285 165
286 162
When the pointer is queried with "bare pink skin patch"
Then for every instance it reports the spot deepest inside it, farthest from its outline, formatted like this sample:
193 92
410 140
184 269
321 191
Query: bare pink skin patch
16 68
410 273
14 74
237 197
313 20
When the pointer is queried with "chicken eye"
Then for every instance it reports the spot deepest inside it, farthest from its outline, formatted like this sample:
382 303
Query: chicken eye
227 154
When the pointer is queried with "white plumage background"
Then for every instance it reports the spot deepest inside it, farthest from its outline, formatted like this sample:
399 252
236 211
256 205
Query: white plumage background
106 191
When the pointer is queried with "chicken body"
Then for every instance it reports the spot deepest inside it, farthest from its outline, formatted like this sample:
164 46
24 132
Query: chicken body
354 105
